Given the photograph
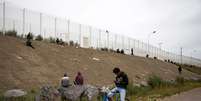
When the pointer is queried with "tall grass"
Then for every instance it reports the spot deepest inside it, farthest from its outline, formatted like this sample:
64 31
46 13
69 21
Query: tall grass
158 88
11 33
39 38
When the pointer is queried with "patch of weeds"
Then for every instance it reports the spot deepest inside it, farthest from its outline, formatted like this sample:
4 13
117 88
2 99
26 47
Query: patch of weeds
1 33
52 40
154 81
180 80
11 33
137 90
39 38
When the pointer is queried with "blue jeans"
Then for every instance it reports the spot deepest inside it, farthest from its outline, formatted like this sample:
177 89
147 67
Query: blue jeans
122 92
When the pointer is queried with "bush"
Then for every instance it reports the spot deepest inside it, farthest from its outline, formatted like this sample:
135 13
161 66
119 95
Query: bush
118 51
39 38
21 36
71 43
77 45
111 50
147 56
11 33
137 90
104 49
52 40
61 42
154 81
180 80
1 33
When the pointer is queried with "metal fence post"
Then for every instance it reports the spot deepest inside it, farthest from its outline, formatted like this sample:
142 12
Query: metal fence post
14 25
115 41
23 22
123 42
4 18
90 36
112 42
99 44
41 25
129 47
181 56
30 27
68 33
80 33
108 39
55 27
134 44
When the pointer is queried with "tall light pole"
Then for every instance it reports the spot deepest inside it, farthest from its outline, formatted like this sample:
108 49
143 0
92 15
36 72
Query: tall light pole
4 17
148 40
181 55
107 39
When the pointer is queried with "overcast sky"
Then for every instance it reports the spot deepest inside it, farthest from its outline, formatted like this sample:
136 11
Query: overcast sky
177 22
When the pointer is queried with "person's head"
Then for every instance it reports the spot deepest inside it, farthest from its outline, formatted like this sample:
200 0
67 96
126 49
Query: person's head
65 74
79 73
116 70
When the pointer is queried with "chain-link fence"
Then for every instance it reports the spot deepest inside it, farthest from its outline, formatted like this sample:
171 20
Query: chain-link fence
24 21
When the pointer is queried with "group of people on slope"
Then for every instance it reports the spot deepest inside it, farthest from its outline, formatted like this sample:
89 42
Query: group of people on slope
121 81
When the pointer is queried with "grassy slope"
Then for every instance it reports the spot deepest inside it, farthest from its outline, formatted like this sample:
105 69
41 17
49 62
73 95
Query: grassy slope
23 67
193 69
161 92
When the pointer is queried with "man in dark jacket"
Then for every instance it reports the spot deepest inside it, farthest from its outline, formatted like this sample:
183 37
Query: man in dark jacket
180 69
121 83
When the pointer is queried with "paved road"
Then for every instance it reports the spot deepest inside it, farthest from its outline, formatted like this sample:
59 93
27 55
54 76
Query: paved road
192 95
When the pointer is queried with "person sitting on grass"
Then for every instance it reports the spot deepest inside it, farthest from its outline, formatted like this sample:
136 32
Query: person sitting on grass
28 42
121 83
65 82
79 79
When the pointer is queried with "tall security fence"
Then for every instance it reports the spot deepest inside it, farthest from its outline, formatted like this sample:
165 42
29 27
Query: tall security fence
24 21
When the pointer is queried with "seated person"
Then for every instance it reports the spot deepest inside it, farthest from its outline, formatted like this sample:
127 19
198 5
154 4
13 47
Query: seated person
79 80
65 82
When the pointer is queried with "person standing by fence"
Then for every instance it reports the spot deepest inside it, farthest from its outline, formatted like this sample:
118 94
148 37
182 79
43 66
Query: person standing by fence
179 69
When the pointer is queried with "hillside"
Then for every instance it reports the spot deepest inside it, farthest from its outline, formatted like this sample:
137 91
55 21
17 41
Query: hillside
24 67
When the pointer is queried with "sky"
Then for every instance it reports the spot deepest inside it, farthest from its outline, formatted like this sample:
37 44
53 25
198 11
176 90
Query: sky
177 22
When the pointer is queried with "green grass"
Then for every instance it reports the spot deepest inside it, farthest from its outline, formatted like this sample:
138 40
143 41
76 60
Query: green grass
161 89
193 69
156 89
